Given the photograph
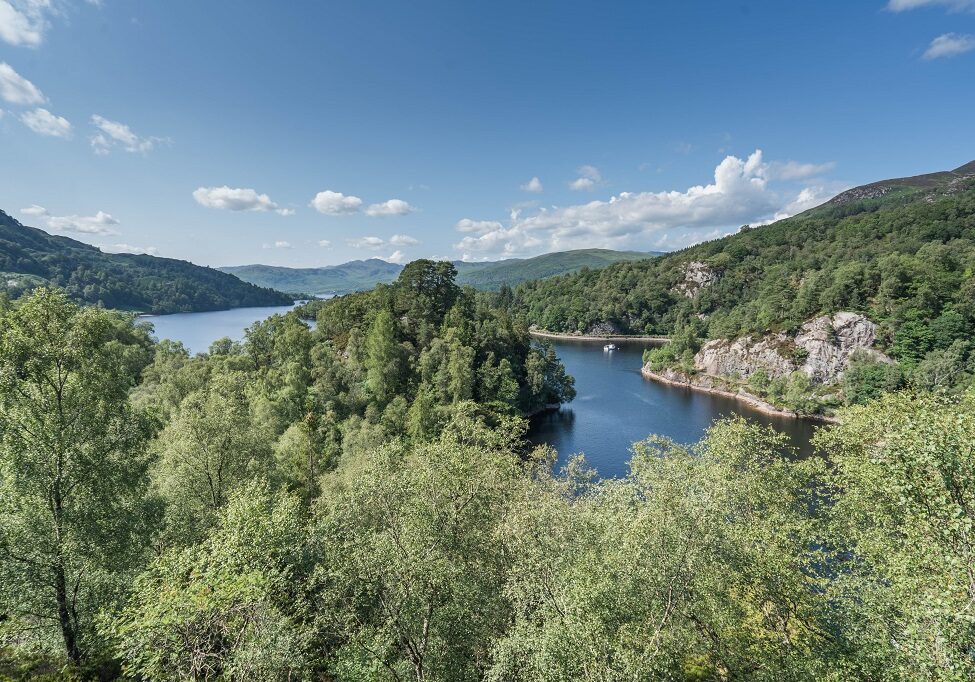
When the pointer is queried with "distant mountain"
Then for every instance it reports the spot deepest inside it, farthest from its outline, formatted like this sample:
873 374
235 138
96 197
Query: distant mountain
359 275
948 181
30 257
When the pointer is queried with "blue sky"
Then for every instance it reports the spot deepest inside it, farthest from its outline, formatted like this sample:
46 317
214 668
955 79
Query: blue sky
311 133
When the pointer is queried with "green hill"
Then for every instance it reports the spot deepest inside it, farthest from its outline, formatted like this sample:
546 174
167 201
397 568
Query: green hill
30 257
513 271
360 275
357 275
900 251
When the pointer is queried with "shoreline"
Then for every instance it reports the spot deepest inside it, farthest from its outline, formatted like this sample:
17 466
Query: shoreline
588 337
751 401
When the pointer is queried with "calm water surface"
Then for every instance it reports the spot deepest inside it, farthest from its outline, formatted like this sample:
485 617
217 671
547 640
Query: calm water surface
616 406
198 330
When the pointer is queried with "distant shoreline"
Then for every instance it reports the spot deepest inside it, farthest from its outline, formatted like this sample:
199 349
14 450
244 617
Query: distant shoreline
589 337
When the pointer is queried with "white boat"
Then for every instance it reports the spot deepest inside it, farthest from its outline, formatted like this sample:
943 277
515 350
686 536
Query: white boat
609 346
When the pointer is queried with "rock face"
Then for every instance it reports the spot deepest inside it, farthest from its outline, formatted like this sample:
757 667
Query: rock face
602 329
822 350
697 275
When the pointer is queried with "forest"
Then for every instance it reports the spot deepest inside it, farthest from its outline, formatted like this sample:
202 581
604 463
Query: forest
30 258
906 260
357 502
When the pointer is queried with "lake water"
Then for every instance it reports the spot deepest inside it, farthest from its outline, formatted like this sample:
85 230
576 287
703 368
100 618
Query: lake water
198 330
614 407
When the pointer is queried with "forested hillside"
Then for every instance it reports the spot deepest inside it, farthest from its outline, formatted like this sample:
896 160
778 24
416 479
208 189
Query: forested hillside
360 275
30 257
901 252
357 502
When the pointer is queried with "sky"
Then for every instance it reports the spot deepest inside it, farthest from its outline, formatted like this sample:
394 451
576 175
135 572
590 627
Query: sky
230 132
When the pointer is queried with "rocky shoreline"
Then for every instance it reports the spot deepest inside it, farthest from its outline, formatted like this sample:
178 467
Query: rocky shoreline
591 337
675 378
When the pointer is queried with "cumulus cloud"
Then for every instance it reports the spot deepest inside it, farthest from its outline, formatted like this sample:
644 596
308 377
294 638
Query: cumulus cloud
390 207
478 226
324 243
396 257
949 45
280 244
335 203
403 240
372 243
113 134
129 248
237 199
16 89
739 194
23 23
100 223
43 122
588 179
953 5
533 185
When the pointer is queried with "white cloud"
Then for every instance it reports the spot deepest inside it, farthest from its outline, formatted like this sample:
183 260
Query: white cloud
114 134
372 243
335 203
100 223
390 207
739 194
953 5
533 185
477 226
588 178
43 122
128 248
23 23
403 240
34 210
237 199
793 170
280 244
324 243
396 257
949 45
16 89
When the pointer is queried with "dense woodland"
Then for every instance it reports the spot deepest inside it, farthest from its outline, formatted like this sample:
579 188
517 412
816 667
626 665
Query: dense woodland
906 260
30 258
357 502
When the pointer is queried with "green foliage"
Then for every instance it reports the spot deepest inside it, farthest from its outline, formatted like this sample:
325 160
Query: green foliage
75 513
143 283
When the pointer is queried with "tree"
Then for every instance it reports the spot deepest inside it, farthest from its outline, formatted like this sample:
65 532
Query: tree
382 358
229 608
75 511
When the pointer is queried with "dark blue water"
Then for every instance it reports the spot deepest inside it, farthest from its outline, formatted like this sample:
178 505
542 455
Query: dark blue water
615 406
198 330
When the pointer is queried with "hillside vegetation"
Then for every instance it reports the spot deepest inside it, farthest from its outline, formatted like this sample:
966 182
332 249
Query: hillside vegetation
30 257
901 252
357 502
360 275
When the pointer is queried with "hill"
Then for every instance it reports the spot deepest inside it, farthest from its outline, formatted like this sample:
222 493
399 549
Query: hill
30 257
360 275
357 275
900 252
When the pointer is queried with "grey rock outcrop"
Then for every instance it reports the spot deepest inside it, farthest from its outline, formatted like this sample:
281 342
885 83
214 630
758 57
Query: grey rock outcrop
821 349
697 275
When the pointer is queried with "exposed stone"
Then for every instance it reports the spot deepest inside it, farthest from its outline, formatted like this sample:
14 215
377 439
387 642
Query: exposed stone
822 350
697 275
602 329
